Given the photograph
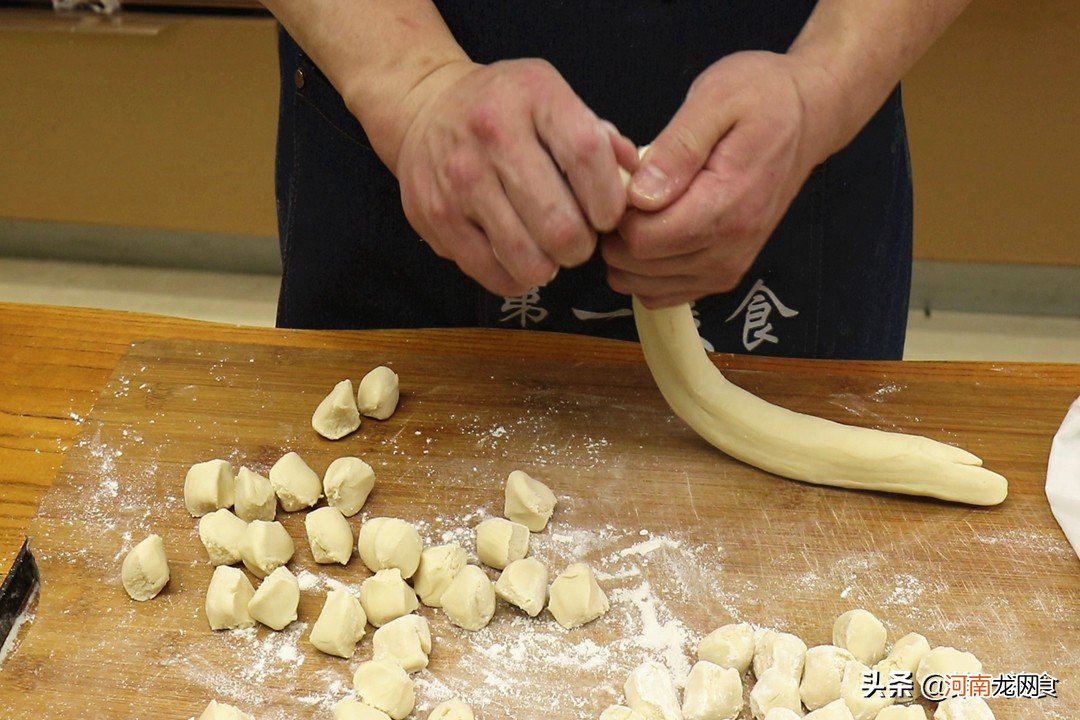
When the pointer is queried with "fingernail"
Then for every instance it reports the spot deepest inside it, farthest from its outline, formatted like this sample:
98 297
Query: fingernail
651 183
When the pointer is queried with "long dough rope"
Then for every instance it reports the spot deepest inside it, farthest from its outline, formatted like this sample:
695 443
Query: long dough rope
793 445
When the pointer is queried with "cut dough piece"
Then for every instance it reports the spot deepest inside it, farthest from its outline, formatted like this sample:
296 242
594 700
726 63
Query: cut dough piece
265 546
329 535
853 694
782 713
469 600
274 603
405 641
792 445
340 625
779 651
377 396
528 501
902 712
438 566
353 710
336 416
822 673
650 692
227 599
730 646
500 542
385 686
524 584
386 596
221 533
347 483
221 711
712 693
974 708
905 656
945 661
861 634
255 498
620 712
775 688
390 543
208 486
146 569
296 485
575 597
835 710
451 710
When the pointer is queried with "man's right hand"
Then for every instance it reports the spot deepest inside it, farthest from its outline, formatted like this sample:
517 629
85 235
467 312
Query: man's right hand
504 170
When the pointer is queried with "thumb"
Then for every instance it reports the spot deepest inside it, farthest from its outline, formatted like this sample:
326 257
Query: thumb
679 152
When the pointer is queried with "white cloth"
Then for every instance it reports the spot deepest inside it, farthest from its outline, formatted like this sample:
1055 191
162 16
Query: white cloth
1063 476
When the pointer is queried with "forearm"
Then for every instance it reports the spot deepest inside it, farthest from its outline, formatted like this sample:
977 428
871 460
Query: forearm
375 52
861 50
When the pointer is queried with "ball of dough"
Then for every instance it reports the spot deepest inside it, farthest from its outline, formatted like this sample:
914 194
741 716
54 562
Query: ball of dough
529 502
386 596
265 546
405 641
852 692
221 533
902 712
145 570
208 486
469 600
575 597
336 416
451 710
905 656
255 498
945 661
524 584
354 710
775 688
329 536
377 396
963 709
347 483
227 599
500 542
620 712
835 710
712 693
730 646
385 686
296 485
340 624
861 634
274 603
782 713
438 566
221 711
650 692
779 651
390 543
822 673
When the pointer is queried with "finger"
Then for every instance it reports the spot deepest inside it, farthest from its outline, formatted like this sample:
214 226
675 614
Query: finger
544 202
582 148
659 302
681 150
617 254
473 254
626 153
510 241
629 283
690 224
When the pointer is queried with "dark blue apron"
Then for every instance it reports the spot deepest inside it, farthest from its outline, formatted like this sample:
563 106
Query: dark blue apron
833 281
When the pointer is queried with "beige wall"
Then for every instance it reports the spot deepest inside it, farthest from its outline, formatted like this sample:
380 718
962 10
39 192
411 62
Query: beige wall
176 129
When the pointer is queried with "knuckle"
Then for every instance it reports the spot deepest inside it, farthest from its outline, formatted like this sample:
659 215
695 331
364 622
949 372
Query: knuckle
463 172
485 122
585 143
564 236
683 145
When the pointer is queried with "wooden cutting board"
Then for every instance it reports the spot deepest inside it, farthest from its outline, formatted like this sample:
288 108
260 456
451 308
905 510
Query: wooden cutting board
684 538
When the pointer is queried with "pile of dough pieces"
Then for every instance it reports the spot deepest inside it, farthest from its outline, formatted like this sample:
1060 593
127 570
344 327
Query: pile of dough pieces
339 412
827 679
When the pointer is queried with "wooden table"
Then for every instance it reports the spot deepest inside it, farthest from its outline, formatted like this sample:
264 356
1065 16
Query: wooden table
56 361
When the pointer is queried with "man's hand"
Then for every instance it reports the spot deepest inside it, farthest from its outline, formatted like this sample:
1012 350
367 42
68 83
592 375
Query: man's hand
504 170
715 183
